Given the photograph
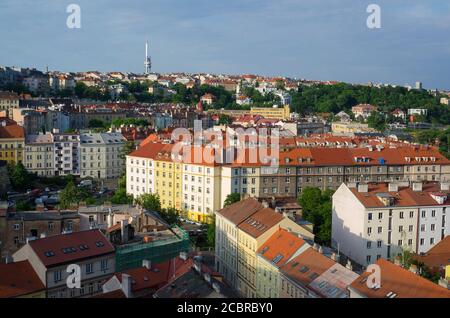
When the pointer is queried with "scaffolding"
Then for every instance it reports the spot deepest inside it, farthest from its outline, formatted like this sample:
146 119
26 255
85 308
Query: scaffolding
132 255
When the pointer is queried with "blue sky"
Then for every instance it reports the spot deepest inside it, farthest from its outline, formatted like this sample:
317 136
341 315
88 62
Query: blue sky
315 39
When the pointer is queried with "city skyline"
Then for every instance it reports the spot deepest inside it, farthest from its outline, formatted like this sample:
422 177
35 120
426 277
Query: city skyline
285 38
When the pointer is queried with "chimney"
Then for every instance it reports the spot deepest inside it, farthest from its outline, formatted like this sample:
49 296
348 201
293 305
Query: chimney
216 287
124 230
265 204
349 265
320 249
445 186
413 269
126 285
393 187
147 264
417 186
397 261
316 247
335 257
184 256
8 259
363 188
110 219
444 283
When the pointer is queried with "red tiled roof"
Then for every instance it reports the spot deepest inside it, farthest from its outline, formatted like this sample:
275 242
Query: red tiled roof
307 266
12 131
405 196
76 240
402 282
18 279
260 222
438 255
239 211
282 244
158 275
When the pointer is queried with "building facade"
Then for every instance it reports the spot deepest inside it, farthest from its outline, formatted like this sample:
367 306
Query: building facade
382 220
50 258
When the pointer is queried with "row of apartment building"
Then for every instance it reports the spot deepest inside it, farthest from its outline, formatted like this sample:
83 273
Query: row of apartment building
241 229
201 186
261 254
95 155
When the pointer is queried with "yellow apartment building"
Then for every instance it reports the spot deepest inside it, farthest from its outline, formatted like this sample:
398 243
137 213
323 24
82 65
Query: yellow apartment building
281 113
12 141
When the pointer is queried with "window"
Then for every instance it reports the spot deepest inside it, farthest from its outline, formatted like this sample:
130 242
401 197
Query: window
411 214
379 244
400 229
16 226
401 215
422 228
411 227
380 229
421 241
424 213
369 230
368 258
89 268
104 264
369 216
380 216
369 244
433 213
432 240
57 276
400 242
433 227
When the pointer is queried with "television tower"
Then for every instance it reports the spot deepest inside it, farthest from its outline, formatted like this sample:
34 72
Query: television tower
148 61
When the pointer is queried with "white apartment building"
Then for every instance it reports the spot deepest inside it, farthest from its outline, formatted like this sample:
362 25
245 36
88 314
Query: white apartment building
201 190
380 220
66 154
101 155
39 154
140 170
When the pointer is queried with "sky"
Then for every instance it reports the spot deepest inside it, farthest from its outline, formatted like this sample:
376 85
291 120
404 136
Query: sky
312 39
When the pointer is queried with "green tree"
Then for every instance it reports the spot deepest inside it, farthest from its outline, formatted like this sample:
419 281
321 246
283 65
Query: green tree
19 176
170 215
120 195
377 121
96 123
69 196
211 232
149 201
231 198
23 205
316 208
225 120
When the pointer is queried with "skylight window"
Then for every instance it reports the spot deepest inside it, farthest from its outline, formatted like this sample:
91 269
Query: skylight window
313 275
99 244
304 269
277 258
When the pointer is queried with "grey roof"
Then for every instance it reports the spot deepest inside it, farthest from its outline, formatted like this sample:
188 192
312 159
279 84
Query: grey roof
192 285
39 139
122 208
101 138
42 216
